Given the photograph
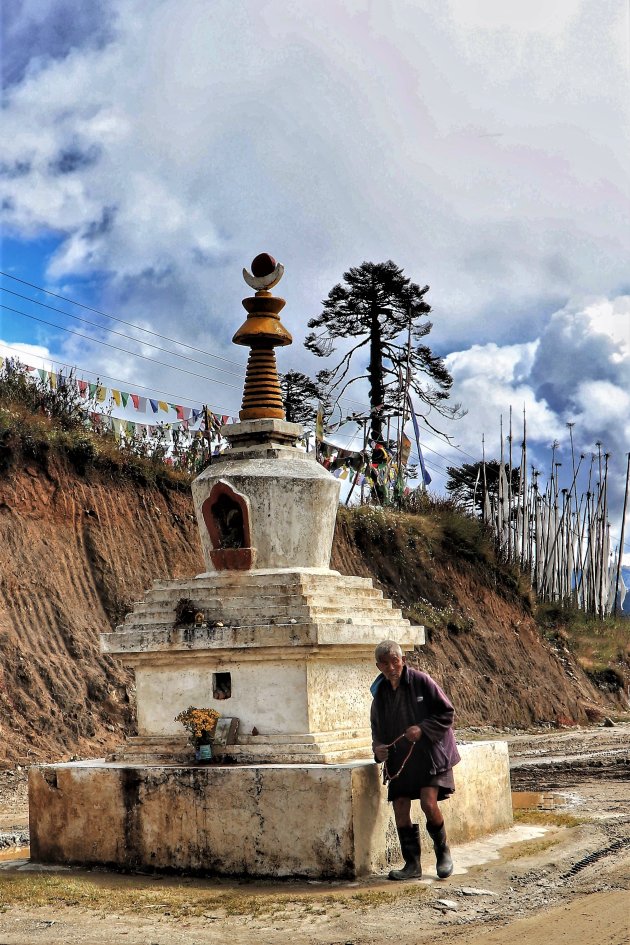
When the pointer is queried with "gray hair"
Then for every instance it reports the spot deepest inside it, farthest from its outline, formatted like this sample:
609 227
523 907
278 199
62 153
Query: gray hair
385 648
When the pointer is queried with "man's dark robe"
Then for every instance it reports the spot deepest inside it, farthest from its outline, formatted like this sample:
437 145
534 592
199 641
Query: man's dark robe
418 700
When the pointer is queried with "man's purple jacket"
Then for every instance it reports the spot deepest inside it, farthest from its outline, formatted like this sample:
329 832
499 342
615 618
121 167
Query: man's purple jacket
425 705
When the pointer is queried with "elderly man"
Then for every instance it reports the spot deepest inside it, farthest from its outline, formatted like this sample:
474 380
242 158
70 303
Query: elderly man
412 735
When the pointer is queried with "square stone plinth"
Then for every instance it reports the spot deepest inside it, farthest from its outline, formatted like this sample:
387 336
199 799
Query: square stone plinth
312 821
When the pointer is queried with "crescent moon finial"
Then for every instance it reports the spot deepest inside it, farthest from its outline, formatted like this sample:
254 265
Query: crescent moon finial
266 272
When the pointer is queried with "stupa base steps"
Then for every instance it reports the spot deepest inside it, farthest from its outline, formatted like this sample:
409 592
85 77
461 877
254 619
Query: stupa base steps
263 597
260 609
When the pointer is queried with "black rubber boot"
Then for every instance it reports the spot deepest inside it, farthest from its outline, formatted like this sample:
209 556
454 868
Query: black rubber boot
443 861
410 845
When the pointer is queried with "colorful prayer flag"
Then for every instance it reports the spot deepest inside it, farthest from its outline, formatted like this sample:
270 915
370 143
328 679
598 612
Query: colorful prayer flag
425 475
405 449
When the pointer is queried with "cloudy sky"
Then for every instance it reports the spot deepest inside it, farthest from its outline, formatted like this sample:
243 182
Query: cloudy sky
150 150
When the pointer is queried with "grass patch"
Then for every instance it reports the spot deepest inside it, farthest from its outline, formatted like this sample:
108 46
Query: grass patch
601 647
517 851
548 818
174 900
177 900
38 421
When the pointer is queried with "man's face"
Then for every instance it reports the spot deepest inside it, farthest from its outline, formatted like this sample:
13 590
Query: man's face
391 666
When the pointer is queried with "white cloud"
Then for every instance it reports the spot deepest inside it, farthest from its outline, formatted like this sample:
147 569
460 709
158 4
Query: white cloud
482 146
577 371
488 380
35 355
535 16
597 400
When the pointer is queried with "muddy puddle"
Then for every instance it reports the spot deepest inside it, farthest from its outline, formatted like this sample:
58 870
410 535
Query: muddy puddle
544 800
14 853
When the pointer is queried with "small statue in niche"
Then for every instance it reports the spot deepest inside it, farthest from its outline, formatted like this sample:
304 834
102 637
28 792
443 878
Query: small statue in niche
222 688
228 518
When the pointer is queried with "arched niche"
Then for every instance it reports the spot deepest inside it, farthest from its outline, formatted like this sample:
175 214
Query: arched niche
226 514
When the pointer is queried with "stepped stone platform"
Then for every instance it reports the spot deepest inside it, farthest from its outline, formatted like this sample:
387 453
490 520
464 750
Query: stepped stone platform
293 649
283 607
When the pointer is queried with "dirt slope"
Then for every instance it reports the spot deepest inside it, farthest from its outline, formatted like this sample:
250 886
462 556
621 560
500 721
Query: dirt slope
76 551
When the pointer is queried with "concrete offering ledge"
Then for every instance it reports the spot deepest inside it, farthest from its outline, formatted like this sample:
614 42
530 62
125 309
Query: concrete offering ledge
314 821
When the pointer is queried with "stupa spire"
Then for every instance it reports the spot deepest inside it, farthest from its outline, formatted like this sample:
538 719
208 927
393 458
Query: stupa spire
262 331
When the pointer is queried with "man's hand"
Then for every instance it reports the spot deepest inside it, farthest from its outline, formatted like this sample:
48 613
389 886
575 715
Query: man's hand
413 733
381 752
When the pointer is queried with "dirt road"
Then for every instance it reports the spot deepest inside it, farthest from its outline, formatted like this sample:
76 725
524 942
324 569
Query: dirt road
561 875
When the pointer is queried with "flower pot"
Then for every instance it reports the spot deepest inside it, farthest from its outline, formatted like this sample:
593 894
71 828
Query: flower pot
203 753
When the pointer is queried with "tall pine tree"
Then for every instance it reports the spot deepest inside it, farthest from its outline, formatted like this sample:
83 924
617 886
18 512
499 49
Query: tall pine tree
385 313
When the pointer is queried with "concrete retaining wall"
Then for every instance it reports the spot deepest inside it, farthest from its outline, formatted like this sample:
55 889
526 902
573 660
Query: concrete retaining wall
267 820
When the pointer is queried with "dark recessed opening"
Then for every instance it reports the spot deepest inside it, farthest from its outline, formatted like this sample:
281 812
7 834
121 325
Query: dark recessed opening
228 517
221 685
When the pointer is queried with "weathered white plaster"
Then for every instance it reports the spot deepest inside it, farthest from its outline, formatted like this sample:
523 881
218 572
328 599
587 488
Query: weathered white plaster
269 696
262 820
293 502
338 694
298 644
280 696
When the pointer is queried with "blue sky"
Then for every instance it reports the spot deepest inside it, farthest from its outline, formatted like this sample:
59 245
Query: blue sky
151 150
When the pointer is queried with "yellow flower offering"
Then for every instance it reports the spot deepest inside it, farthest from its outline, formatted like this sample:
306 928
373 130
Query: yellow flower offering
200 723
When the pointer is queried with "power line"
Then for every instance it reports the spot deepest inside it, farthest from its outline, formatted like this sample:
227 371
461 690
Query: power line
178 398
114 318
120 334
97 341
123 321
138 341
239 365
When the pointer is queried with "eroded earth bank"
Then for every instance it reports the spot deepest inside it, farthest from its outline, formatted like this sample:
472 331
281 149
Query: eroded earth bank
77 549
